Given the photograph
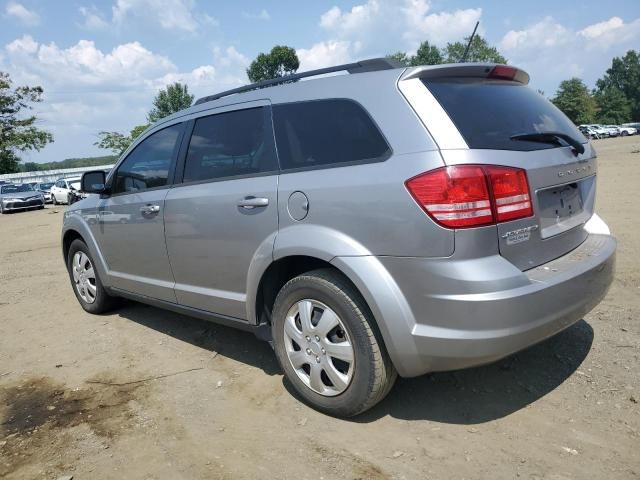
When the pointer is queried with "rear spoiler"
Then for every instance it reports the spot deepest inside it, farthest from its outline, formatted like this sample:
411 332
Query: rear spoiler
474 70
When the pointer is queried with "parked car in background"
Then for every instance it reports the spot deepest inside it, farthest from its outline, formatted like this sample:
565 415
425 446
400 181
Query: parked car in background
75 194
613 130
599 130
624 131
19 197
370 224
61 191
589 132
45 189
635 125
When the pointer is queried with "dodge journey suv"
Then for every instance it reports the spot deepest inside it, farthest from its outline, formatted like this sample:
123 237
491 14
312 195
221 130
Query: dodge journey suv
387 221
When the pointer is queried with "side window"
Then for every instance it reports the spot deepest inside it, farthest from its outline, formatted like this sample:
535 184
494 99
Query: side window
229 144
325 132
148 165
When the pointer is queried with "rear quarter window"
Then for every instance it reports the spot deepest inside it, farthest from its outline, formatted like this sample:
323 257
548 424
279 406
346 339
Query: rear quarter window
489 112
324 133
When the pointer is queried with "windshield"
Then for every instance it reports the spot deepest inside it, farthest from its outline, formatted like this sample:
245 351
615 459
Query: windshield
489 112
46 186
15 188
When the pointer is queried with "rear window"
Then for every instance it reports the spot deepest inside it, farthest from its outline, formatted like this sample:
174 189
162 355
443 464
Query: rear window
326 133
489 112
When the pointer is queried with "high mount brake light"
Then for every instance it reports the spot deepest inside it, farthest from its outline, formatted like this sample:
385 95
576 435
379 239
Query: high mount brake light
504 72
463 196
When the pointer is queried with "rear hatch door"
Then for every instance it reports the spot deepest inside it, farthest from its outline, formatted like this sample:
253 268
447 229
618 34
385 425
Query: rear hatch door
490 114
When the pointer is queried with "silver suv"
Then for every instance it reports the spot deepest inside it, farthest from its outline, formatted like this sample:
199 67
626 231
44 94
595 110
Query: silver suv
381 222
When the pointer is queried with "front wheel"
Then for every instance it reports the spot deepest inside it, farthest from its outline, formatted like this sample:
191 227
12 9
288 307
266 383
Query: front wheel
328 345
53 199
85 280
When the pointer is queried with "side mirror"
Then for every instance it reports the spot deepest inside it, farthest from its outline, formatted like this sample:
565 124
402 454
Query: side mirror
93 182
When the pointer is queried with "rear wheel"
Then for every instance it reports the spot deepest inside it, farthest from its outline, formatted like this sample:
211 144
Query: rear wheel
327 343
86 281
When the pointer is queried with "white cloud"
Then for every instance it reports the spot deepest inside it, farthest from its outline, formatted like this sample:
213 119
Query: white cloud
325 54
88 90
376 24
92 19
170 14
438 28
552 52
611 32
262 15
209 20
22 13
25 45
546 33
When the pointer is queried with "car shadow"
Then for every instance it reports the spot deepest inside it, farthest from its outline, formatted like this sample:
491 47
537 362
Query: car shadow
232 343
481 394
470 396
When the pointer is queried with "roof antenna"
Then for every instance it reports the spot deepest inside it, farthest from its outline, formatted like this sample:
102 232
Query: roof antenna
466 50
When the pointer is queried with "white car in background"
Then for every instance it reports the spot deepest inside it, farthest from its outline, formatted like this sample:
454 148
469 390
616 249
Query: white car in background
614 131
62 189
624 131
601 131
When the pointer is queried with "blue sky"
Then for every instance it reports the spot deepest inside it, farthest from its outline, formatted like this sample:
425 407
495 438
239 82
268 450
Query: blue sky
101 62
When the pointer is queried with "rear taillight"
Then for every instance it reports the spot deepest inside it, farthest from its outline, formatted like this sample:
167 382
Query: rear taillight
463 196
510 193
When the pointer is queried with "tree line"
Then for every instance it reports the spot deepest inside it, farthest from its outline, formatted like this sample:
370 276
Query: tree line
614 100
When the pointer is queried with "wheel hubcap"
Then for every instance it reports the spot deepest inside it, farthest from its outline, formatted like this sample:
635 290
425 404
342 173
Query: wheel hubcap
84 277
319 348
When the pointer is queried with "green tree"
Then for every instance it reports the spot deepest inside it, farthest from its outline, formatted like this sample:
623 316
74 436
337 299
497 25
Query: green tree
279 62
118 142
613 106
400 57
624 75
30 167
427 55
574 100
170 100
17 129
479 51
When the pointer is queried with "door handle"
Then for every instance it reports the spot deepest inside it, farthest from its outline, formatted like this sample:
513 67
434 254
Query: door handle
149 209
253 202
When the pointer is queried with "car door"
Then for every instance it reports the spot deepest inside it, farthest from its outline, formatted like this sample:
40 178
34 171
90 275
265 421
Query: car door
223 211
134 247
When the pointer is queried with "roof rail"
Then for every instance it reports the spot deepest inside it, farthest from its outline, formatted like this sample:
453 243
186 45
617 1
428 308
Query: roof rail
370 65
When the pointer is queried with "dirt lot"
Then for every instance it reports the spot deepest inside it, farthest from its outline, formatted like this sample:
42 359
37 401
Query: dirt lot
79 394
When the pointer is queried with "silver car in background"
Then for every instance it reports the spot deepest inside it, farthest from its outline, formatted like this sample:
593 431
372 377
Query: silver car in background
387 221
19 197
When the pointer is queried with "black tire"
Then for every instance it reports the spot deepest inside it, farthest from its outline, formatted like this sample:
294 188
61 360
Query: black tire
103 301
373 375
53 199
624 134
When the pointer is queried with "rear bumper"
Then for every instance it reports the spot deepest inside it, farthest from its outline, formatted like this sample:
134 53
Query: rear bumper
460 313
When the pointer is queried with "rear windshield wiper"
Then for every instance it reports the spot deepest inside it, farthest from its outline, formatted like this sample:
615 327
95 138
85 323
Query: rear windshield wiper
550 137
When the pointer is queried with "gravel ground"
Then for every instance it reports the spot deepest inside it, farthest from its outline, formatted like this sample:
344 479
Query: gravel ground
147 394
